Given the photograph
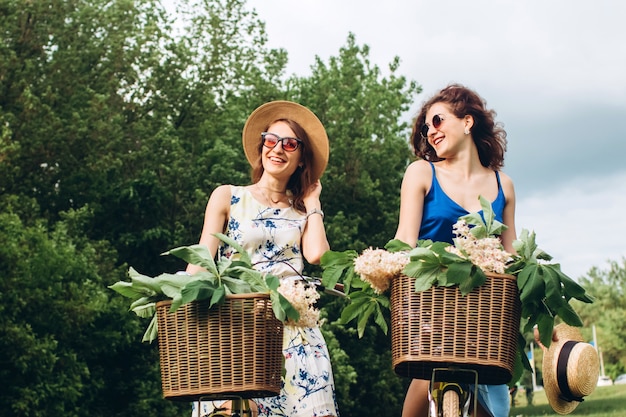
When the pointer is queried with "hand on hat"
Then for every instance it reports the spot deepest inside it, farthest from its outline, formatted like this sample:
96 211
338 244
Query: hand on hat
555 337
312 196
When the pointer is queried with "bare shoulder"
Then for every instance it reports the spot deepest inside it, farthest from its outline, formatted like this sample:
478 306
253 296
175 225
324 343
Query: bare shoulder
220 196
222 191
419 173
419 169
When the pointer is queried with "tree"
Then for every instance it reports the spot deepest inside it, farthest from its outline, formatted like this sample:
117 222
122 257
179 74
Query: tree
362 111
607 313
65 340
116 122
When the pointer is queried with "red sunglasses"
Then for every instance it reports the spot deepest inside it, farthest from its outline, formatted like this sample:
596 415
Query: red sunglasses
270 140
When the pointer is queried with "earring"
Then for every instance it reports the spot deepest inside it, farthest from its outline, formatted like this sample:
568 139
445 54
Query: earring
467 131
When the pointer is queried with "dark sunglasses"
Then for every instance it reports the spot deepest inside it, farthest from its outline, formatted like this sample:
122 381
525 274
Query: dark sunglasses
437 119
270 140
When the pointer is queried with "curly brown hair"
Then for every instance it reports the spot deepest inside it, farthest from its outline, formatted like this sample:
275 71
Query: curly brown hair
302 178
489 136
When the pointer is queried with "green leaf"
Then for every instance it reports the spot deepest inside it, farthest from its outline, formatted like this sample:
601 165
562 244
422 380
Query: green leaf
282 308
198 290
244 257
279 311
476 279
236 286
423 255
151 332
143 301
379 319
134 292
218 296
545 326
415 269
358 303
571 288
396 245
145 310
338 267
196 255
272 281
364 317
459 273
553 294
568 315
425 281
172 284
525 276
534 288
143 281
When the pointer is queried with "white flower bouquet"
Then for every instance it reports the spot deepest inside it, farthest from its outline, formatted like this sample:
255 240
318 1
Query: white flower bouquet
544 290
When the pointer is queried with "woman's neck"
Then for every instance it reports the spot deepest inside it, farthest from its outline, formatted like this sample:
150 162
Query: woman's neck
273 192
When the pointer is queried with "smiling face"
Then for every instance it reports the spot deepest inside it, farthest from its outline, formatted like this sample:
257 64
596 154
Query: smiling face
446 132
276 161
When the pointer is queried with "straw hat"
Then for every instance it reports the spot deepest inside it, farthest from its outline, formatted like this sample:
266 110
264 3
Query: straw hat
267 113
570 369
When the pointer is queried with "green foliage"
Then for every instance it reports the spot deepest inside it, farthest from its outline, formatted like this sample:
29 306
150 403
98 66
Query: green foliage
219 279
607 313
363 112
55 316
544 291
116 123
364 303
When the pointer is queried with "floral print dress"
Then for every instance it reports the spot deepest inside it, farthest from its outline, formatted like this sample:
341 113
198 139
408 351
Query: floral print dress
272 237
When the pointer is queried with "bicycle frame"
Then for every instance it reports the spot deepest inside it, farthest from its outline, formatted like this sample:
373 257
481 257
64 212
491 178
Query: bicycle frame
454 379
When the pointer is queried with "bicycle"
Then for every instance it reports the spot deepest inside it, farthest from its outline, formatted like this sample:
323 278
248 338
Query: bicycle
452 395
241 404
236 407
456 342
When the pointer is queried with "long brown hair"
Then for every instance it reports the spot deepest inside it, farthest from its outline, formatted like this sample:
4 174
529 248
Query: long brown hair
301 180
489 136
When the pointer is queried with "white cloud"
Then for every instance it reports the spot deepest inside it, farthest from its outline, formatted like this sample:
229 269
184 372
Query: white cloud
553 70
581 225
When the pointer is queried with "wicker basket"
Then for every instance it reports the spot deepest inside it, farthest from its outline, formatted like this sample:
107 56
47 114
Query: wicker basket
440 327
233 348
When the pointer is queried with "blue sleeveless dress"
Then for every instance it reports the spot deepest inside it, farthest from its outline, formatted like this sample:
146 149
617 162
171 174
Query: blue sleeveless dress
440 214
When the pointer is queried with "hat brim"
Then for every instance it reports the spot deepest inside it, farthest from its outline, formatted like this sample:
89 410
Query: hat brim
267 113
564 333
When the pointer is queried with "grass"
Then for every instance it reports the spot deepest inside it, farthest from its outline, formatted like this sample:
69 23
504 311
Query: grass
603 402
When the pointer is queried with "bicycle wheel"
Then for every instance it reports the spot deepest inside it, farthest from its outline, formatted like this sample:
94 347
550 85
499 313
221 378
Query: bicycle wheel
450 403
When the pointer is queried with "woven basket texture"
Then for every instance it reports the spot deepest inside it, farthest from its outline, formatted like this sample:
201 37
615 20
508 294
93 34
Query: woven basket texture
231 349
440 328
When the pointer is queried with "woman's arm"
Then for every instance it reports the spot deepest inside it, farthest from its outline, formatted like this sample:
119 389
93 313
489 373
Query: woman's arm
415 185
508 216
215 218
314 241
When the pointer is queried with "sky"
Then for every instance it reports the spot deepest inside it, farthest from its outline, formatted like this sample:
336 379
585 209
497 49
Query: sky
553 70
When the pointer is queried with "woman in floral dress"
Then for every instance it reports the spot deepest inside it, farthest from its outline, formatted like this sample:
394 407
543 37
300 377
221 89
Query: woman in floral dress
278 220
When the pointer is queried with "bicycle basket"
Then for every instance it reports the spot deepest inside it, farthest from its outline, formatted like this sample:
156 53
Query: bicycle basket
232 348
440 327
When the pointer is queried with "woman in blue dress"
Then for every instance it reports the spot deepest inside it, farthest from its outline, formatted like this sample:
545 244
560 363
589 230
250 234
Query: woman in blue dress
278 220
460 150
